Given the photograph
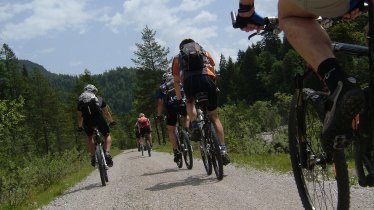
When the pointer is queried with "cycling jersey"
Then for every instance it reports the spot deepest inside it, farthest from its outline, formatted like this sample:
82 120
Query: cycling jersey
167 94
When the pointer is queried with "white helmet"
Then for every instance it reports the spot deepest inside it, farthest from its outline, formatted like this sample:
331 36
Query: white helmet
90 88
141 115
167 76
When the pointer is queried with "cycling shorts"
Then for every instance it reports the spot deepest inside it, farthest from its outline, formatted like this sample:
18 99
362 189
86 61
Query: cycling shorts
145 131
201 83
172 113
99 122
324 8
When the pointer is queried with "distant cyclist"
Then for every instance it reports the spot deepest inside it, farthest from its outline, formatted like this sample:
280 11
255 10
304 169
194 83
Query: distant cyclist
166 98
144 126
194 68
91 112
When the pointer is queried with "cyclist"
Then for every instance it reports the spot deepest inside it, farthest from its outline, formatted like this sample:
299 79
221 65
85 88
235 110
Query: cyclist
144 126
166 97
298 21
198 77
91 112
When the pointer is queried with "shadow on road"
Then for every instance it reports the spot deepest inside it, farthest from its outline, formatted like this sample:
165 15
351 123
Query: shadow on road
162 172
137 157
88 187
191 180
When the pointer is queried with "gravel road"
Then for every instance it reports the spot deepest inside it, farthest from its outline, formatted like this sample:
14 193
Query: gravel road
137 182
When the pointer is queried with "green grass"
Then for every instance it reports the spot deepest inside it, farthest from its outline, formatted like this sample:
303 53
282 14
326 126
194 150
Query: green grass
271 162
40 198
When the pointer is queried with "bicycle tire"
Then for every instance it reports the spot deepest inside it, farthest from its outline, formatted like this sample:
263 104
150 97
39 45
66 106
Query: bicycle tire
216 153
142 149
180 149
186 148
101 166
149 149
320 186
205 157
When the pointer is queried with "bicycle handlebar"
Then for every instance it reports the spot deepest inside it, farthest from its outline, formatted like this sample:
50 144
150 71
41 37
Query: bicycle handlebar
270 24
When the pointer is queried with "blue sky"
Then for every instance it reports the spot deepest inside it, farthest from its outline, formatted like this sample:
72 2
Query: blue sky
68 36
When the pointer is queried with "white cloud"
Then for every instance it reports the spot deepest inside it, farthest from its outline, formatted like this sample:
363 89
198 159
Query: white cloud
192 5
205 16
46 16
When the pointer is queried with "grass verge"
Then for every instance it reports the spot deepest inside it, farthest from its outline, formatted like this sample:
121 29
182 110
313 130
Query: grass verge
40 198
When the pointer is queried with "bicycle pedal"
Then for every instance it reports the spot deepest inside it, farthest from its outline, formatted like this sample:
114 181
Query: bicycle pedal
341 141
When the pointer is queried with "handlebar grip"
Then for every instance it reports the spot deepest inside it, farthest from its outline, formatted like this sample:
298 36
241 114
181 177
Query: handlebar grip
254 19
257 19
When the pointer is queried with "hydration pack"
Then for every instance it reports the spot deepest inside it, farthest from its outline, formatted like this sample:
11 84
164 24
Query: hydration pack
89 104
192 57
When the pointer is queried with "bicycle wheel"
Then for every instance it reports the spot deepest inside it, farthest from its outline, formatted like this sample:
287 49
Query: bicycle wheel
179 147
216 153
100 160
149 149
205 155
321 185
142 149
186 148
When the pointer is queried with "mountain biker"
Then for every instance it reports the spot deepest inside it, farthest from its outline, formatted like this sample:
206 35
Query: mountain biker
298 21
166 97
144 126
91 112
199 79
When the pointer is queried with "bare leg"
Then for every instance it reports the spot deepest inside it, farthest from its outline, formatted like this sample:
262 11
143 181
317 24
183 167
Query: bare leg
172 136
308 38
191 110
90 145
108 143
217 125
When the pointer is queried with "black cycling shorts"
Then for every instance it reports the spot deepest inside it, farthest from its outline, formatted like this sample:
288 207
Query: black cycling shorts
99 122
172 112
201 83
145 131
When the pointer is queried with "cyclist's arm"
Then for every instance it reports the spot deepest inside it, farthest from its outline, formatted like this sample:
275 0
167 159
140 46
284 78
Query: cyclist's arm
177 87
80 119
107 114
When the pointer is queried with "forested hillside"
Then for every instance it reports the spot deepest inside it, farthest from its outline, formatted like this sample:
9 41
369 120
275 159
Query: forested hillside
39 142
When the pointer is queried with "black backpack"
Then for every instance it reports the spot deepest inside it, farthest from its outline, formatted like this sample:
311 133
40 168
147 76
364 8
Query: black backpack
89 105
192 57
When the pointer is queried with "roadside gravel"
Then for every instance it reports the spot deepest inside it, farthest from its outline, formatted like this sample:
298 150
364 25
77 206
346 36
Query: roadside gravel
155 182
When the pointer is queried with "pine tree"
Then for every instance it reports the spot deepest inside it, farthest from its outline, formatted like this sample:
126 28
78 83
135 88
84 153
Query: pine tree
151 60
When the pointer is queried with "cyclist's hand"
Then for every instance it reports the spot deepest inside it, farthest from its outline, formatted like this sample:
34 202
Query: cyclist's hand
249 23
112 124
351 15
79 129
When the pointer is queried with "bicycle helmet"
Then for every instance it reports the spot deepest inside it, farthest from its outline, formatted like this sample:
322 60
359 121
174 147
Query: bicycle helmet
141 115
90 88
167 76
185 41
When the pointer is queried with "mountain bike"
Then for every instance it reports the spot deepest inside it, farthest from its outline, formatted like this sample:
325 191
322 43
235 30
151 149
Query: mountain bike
209 143
100 157
184 145
321 171
145 144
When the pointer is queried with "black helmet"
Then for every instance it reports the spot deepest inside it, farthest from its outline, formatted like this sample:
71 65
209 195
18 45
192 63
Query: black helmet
185 41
